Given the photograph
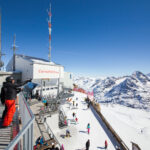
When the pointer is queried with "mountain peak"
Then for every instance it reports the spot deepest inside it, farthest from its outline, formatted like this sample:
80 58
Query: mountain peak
140 76
137 73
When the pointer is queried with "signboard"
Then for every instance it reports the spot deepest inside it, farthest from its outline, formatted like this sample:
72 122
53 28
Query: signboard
47 71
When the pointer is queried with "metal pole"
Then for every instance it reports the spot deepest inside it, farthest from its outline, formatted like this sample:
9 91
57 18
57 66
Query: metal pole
14 53
24 143
58 83
1 63
32 136
28 143
0 35
41 88
49 28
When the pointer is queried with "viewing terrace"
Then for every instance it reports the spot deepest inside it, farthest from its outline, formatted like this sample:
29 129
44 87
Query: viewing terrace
28 124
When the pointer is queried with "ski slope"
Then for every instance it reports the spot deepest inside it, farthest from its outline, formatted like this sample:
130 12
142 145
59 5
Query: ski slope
78 131
130 124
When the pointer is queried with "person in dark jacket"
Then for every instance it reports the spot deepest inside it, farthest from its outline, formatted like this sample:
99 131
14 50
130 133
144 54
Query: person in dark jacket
40 140
87 144
11 90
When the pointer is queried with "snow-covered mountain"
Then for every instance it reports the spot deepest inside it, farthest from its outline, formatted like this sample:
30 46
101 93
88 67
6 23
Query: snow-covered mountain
132 91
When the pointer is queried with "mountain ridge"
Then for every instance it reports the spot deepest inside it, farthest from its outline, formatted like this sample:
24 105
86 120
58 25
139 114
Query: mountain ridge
132 90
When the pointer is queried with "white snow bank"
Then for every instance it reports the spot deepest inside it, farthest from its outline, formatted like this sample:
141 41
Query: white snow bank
131 124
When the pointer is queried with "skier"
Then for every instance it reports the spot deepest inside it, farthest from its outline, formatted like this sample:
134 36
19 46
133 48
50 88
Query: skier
40 141
76 105
88 128
68 133
62 147
73 103
106 144
76 119
65 122
87 144
12 90
73 114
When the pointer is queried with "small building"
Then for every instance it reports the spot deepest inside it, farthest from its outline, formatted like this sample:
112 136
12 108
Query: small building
49 76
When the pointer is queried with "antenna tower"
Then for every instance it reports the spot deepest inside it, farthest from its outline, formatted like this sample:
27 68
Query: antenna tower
50 30
14 52
1 62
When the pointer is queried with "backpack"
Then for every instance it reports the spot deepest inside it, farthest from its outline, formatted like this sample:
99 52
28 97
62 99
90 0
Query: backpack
3 93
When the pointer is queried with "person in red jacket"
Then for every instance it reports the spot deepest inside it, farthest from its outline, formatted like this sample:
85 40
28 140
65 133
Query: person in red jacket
11 90
106 144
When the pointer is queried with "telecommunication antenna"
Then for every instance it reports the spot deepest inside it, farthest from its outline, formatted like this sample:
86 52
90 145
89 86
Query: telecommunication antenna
50 30
1 54
14 47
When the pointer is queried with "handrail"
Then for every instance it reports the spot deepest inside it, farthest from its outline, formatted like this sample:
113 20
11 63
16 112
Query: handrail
25 129
109 127
48 128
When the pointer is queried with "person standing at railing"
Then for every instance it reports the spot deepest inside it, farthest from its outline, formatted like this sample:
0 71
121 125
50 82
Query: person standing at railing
10 99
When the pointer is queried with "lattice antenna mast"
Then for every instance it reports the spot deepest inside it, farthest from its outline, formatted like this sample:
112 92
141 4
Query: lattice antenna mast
14 47
1 62
50 30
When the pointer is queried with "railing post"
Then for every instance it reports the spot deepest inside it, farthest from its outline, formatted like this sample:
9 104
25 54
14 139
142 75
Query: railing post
32 136
28 140
24 144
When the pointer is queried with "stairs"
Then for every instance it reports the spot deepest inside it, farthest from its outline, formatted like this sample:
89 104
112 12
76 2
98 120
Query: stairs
5 133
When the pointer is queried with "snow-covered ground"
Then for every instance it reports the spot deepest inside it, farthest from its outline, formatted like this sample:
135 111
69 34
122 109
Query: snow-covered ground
78 131
131 124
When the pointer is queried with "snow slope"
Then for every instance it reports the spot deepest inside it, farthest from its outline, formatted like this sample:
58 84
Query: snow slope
132 91
131 124
78 131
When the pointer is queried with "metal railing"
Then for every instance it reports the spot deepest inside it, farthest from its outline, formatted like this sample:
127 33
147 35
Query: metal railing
24 139
51 133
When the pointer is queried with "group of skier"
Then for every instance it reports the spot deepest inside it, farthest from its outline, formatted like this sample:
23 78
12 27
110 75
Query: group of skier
68 134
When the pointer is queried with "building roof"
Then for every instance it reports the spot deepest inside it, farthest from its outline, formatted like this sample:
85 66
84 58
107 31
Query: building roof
37 60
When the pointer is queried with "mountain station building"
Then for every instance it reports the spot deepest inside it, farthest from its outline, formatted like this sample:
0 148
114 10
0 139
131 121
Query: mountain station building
50 77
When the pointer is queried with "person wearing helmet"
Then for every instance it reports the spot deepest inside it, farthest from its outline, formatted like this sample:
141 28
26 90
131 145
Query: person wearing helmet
11 90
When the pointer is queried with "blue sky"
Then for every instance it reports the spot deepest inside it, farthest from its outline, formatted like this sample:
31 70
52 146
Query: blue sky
89 37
